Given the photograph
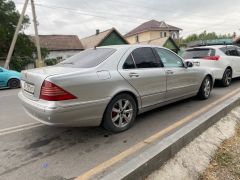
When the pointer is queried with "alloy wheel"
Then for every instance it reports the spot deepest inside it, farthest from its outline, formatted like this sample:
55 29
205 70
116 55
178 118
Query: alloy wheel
207 87
122 113
228 77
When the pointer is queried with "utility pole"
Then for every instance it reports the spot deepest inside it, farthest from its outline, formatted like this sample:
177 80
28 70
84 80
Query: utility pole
39 62
10 52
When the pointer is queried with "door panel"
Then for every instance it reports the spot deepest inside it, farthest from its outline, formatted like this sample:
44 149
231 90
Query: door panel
181 81
150 84
3 78
234 59
144 72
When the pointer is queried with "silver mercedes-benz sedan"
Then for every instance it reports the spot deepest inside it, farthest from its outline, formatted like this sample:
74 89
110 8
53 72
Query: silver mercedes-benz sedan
110 85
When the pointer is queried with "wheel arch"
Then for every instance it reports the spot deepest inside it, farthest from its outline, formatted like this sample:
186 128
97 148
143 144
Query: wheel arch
135 97
211 78
11 78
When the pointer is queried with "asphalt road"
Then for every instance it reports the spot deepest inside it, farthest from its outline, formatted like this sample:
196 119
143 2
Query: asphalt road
35 151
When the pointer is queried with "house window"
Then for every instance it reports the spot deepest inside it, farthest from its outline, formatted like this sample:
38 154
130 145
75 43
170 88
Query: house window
165 34
137 38
161 34
59 58
174 35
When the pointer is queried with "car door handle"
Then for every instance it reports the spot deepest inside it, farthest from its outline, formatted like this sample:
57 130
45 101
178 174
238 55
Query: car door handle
133 75
169 72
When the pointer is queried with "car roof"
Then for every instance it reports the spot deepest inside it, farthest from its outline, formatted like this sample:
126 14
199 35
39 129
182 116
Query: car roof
130 46
213 47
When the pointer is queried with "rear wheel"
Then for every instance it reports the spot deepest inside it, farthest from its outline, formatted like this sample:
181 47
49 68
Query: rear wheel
120 113
205 89
227 78
14 83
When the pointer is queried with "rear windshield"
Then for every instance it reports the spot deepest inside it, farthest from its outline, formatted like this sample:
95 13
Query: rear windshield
88 58
198 53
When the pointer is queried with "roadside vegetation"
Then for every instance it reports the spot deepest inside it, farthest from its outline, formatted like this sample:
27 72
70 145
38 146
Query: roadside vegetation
225 165
25 51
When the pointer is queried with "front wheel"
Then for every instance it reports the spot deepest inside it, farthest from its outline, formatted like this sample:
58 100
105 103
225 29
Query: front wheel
227 78
205 89
120 113
14 83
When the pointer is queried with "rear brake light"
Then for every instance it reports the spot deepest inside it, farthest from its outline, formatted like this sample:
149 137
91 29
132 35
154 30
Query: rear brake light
52 92
214 58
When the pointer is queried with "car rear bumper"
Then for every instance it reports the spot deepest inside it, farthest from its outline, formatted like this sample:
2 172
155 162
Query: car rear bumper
217 73
80 115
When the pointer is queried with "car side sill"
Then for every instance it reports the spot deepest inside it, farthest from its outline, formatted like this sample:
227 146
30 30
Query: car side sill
148 108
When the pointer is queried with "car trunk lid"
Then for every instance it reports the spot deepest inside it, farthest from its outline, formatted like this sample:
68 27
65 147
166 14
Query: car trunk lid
32 80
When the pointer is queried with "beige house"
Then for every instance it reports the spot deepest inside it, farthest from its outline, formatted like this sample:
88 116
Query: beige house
152 30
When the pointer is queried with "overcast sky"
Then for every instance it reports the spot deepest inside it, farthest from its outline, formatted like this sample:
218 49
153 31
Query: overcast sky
83 17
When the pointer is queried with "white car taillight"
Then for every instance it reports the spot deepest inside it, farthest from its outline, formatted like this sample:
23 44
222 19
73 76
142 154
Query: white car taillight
214 58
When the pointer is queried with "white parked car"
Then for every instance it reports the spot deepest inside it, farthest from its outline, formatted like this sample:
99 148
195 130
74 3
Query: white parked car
224 61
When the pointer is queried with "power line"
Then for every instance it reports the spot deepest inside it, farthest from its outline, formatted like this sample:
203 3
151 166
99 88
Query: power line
112 14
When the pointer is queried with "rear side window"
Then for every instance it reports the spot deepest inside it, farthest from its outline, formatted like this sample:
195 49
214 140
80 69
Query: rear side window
230 51
197 53
88 58
144 58
238 50
129 63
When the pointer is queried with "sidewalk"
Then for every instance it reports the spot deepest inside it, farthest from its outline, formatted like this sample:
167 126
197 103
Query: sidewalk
214 155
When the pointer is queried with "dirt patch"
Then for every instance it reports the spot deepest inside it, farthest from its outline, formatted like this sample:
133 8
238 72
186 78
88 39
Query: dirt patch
226 162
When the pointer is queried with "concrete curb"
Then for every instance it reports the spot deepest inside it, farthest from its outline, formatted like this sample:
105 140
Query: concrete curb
154 157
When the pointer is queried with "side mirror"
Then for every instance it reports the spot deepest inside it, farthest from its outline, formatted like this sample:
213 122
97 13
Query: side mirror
189 64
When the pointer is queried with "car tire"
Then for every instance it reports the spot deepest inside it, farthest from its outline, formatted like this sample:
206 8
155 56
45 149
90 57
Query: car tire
227 78
14 83
120 113
205 89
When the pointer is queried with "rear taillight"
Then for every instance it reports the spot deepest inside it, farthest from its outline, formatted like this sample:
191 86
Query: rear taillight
52 92
214 58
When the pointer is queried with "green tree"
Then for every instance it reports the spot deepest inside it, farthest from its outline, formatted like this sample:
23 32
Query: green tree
25 50
204 36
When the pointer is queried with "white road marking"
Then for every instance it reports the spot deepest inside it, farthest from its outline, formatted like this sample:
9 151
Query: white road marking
19 128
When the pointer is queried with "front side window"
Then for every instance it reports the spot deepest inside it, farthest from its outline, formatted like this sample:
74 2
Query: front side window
168 58
144 58
88 58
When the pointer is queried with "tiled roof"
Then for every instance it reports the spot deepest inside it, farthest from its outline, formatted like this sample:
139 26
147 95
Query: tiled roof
96 39
59 42
160 41
152 25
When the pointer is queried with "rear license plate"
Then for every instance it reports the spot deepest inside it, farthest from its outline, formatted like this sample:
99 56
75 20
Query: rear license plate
29 88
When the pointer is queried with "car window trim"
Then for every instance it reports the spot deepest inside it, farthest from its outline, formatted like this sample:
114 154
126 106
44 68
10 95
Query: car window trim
157 56
133 61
